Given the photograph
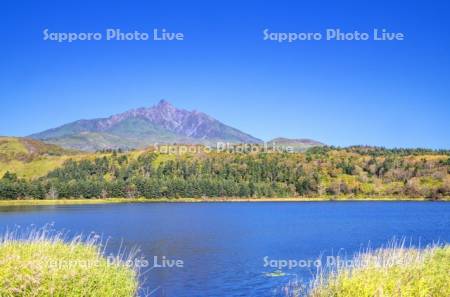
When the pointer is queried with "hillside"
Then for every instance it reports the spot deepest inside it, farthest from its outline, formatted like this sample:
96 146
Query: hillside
31 158
138 128
319 172
25 149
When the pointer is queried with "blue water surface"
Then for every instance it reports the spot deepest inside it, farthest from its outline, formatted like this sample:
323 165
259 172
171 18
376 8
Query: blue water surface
223 246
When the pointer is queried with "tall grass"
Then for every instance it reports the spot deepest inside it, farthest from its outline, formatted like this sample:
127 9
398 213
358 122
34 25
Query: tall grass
42 262
395 270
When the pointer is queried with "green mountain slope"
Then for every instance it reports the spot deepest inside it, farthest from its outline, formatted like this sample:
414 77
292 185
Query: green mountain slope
25 149
31 158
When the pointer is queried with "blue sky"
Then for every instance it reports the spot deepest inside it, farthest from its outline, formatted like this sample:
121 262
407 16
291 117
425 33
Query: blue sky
394 94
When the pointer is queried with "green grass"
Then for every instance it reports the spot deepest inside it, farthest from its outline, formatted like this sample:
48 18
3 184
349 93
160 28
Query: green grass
33 169
42 265
392 272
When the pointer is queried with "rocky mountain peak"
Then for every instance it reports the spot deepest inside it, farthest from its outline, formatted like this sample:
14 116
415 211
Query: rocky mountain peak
164 104
160 123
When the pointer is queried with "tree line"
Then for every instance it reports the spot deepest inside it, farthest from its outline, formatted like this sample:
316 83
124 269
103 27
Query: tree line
326 171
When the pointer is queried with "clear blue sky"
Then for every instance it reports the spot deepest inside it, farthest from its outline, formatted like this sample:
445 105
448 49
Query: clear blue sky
342 93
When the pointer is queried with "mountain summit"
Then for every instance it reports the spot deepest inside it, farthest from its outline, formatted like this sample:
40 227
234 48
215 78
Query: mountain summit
162 123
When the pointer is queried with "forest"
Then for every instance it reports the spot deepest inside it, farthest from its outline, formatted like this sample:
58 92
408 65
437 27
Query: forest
358 171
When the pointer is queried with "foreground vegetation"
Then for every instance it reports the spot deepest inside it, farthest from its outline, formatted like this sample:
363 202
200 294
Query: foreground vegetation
41 265
322 172
391 272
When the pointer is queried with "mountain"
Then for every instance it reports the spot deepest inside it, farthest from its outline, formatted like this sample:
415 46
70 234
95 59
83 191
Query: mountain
137 128
297 144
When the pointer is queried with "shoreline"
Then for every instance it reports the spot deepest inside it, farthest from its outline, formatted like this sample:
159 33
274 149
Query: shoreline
31 202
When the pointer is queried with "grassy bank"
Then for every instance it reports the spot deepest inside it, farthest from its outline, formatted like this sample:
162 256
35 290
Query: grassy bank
42 265
25 202
394 271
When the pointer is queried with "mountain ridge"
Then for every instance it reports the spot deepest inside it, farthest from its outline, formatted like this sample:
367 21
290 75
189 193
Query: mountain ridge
140 127
297 144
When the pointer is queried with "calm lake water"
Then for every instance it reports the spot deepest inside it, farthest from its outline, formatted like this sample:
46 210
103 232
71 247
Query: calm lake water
223 245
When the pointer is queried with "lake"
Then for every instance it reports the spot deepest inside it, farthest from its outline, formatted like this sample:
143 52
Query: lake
223 248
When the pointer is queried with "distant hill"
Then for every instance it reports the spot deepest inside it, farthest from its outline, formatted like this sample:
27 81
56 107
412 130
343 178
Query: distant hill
25 149
298 145
32 158
138 128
